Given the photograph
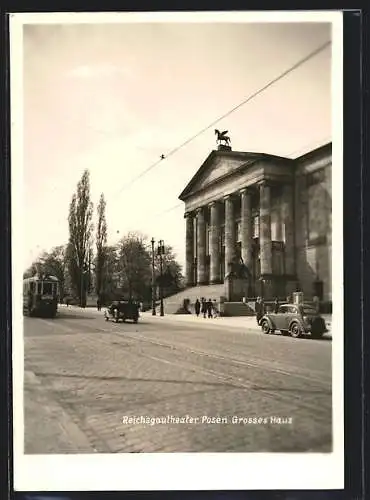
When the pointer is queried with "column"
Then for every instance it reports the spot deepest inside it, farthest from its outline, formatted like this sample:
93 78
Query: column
201 247
288 223
230 232
214 276
265 232
189 249
246 227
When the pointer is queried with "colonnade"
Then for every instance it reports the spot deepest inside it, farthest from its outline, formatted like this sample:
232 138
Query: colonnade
227 206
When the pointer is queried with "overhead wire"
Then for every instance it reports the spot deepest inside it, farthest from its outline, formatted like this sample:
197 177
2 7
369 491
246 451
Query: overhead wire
292 68
178 205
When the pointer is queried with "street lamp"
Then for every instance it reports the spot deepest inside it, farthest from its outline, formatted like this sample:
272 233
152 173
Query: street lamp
153 280
160 253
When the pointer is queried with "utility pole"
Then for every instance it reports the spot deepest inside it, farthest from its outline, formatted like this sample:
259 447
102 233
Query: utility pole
81 284
153 280
161 252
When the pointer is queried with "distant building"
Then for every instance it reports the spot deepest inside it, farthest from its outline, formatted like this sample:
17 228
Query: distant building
274 213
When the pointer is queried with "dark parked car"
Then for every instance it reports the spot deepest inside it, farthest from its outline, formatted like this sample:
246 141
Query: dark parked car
122 309
294 319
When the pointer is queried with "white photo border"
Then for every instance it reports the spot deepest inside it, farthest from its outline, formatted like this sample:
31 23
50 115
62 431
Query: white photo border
176 471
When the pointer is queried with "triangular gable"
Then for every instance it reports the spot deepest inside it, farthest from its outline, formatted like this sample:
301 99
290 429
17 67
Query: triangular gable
217 165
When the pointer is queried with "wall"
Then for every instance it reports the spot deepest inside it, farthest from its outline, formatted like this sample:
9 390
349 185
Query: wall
313 221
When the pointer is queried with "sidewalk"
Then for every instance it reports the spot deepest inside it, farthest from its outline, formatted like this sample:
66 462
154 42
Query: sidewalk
245 322
248 322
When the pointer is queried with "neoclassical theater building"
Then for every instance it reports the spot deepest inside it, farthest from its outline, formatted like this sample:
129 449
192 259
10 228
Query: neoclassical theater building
274 213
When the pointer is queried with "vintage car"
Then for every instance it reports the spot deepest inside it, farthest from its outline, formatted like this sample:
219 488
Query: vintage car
294 319
122 310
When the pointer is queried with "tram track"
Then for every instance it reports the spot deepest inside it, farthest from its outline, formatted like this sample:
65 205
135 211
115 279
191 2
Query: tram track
314 383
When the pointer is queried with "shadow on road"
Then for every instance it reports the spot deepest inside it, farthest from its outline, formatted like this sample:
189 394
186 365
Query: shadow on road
253 387
63 315
131 379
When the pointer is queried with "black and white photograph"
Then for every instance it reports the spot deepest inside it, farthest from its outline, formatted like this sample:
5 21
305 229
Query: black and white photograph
177 250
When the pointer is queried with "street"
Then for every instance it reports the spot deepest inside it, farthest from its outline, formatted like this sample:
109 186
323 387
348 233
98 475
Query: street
167 385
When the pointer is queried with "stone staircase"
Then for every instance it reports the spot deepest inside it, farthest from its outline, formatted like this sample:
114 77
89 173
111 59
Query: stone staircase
238 309
173 303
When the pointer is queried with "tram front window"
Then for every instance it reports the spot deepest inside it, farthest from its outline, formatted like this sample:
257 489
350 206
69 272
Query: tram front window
47 289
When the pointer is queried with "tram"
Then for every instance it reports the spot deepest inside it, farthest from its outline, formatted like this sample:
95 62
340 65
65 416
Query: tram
40 296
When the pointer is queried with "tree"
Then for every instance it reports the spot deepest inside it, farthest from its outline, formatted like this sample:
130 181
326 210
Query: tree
53 263
31 271
172 278
135 266
80 232
111 274
101 243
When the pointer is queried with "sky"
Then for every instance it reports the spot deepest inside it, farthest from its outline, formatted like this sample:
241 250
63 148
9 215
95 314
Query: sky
112 98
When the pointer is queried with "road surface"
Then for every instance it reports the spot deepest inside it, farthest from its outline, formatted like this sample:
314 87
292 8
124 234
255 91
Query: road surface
165 385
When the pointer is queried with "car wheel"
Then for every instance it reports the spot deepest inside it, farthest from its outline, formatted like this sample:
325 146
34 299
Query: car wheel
265 326
295 330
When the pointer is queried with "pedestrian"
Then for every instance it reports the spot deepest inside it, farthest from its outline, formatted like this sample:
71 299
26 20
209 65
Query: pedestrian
276 305
215 309
316 304
98 304
209 308
259 309
197 307
203 307
67 301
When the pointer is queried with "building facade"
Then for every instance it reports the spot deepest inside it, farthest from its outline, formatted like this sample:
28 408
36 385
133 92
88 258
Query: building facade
271 213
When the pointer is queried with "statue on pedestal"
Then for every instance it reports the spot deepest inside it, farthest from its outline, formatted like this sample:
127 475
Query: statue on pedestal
222 137
237 280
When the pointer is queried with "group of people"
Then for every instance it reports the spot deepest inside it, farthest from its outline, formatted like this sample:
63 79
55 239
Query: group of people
206 307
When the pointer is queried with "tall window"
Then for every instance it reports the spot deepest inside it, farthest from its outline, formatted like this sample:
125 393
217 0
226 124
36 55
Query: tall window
195 239
318 206
208 239
238 231
278 264
256 226
222 236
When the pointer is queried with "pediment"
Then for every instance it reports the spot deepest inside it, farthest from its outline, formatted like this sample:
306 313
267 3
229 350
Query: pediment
216 167
220 165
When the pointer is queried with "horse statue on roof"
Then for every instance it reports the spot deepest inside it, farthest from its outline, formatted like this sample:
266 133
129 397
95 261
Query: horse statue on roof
222 137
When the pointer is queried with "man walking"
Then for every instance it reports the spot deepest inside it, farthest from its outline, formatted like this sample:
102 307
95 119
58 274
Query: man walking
209 308
259 309
215 309
197 307
204 307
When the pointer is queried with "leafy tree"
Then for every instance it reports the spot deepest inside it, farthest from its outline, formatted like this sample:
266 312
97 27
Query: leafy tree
54 263
172 278
135 265
80 232
101 242
31 271
111 274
